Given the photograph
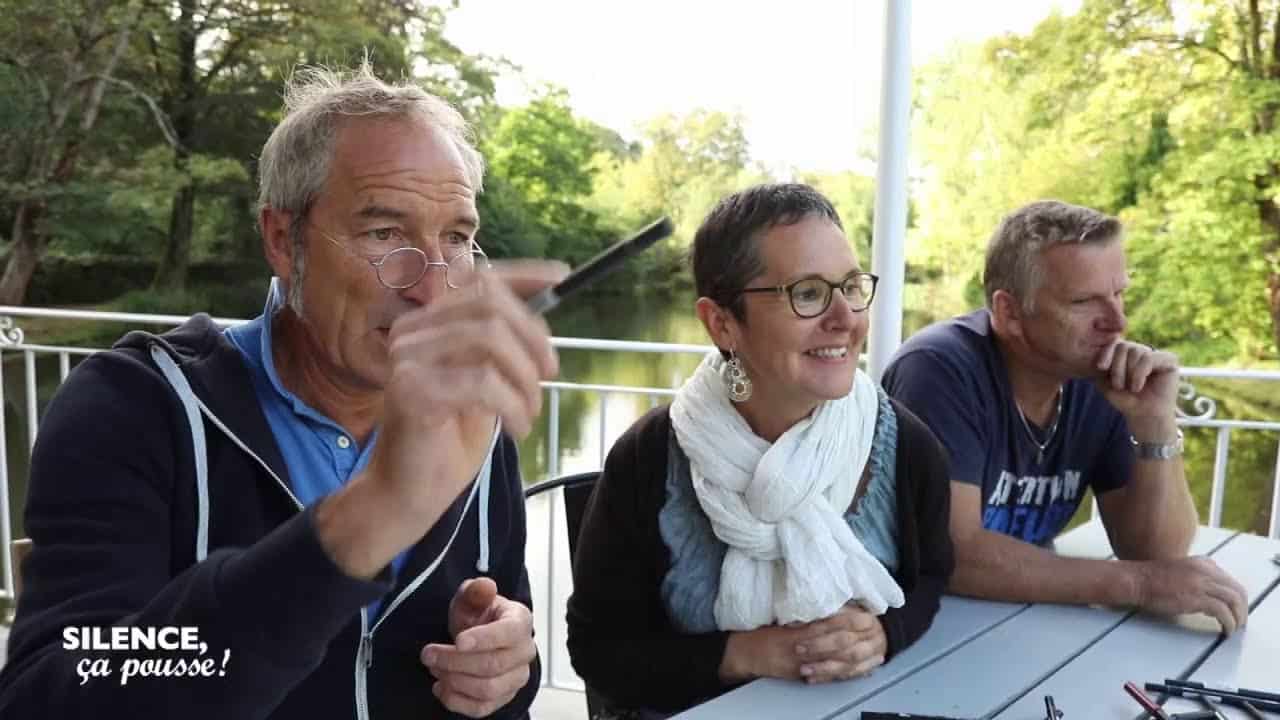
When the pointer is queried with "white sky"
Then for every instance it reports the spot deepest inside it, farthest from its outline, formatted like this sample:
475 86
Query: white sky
805 74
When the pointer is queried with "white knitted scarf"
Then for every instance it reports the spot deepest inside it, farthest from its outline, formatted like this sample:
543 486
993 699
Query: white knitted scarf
779 507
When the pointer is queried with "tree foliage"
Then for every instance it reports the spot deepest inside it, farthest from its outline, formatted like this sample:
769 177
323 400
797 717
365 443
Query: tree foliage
195 91
60 57
1160 112
539 158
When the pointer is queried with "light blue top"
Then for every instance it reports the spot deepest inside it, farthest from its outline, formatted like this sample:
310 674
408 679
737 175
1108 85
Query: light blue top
691 584
320 454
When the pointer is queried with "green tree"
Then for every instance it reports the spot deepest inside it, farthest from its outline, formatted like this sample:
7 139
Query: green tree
854 198
205 61
987 149
539 158
1162 113
684 165
66 54
1208 228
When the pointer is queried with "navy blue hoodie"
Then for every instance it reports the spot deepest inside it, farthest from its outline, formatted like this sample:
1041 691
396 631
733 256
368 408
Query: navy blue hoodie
113 512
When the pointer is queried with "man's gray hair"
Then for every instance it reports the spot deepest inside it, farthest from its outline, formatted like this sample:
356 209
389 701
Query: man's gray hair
1014 251
294 164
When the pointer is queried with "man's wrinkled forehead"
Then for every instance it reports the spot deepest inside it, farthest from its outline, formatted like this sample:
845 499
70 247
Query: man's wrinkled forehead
380 145
399 170
1073 268
405 208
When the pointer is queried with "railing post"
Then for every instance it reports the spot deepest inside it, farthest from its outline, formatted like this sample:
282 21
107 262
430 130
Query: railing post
33 408
551 497
1219 476
604 413
553 435
6 532
10 335
1274 530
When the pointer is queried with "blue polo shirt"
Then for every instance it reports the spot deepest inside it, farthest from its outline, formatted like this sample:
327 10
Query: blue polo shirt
320 454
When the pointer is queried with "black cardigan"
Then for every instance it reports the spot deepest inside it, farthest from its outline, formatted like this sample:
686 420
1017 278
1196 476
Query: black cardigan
620 639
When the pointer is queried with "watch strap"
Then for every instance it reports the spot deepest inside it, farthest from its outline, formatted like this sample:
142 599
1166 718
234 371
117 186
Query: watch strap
1157 451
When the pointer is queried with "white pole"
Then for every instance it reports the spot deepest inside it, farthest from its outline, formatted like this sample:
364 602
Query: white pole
889 234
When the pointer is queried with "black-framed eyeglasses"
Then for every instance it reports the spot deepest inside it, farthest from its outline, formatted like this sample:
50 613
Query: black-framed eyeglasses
811 296
404 267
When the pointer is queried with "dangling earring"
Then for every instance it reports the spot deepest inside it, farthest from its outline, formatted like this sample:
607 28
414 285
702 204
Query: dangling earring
735 379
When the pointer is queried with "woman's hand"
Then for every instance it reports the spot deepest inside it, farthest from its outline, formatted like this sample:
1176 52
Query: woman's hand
847 644
764 652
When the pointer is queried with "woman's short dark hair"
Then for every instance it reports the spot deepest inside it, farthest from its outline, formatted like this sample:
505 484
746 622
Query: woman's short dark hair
726 248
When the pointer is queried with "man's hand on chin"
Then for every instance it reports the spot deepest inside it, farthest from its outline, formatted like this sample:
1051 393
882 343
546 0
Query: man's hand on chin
1142 383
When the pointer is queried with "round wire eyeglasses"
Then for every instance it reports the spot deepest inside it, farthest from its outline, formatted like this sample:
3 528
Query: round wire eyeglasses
404 267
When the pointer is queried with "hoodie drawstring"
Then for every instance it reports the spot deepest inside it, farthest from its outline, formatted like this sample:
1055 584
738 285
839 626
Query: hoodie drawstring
190 404
482 563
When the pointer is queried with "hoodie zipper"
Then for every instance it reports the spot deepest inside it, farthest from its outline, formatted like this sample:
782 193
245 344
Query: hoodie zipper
364 660
364 652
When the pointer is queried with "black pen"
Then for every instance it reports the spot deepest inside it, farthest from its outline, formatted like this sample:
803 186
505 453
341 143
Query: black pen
1243 692
1250 710
1222 696
600 265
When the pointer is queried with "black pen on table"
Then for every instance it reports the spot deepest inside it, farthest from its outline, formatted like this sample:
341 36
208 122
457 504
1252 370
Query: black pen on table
1243 692
1250 710
1255 704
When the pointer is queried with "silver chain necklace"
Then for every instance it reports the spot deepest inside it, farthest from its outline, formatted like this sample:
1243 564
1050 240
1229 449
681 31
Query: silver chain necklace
1049 435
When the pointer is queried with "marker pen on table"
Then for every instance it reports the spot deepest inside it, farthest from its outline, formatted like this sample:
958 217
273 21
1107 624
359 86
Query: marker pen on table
1146 702
1255 699
1251 705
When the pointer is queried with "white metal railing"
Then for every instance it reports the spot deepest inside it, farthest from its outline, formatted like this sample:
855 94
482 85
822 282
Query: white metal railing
1198 411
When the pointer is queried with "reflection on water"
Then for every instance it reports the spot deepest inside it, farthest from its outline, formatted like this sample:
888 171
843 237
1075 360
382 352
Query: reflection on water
582 444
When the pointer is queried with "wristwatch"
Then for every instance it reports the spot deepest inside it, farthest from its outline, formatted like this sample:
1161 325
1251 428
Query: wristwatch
1157 451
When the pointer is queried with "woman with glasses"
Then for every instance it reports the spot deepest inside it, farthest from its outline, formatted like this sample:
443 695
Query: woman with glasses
782 517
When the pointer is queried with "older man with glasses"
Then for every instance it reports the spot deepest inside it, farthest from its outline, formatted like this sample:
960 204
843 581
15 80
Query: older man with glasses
329 494
1038 397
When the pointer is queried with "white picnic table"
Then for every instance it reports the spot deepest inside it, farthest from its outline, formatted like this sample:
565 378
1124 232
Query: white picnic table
997 660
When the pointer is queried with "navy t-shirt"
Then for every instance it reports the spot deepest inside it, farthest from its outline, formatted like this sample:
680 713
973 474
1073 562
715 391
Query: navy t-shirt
952 375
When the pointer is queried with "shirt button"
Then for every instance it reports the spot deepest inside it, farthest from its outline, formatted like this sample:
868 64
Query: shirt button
343 442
